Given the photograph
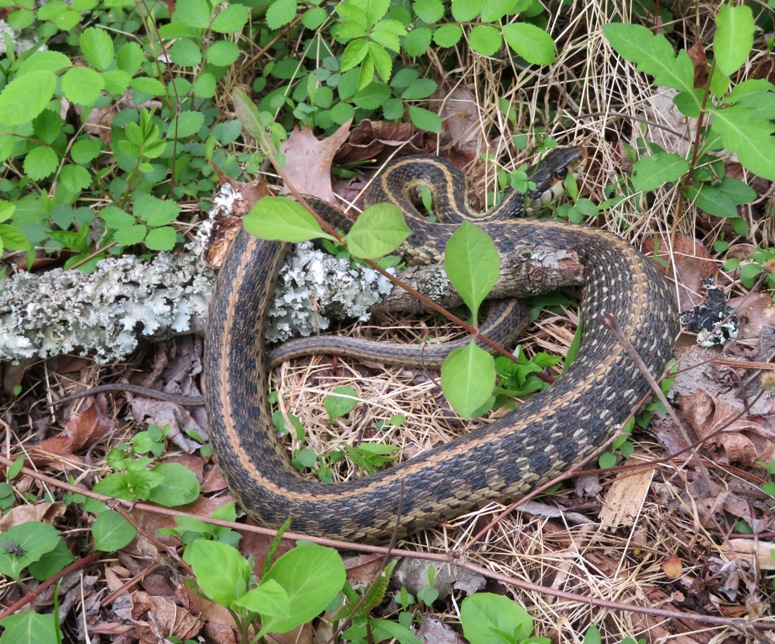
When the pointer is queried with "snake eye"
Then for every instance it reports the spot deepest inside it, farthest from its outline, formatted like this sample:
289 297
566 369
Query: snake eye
561 173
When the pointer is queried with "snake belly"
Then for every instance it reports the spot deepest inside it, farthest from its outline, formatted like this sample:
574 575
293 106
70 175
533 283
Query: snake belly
504 460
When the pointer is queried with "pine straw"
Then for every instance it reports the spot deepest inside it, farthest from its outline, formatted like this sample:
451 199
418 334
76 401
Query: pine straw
573 102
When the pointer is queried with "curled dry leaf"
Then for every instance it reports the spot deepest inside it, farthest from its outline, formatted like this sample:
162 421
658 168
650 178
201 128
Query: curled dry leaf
45 512
736 438
379 140
158 616
83 429
756 312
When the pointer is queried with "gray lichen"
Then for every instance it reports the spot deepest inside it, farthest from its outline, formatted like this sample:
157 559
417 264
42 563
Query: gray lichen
104 314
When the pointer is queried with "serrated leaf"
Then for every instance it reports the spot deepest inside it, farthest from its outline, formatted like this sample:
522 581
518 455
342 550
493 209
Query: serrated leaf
130 235
468 378
280 219
130 58
82 85
448 35
378 231
750 137
387 32
26 96
382 61
75 178
155 211
232 18
429 11
472 264
733 39
372 96
654 171
466 10
485 40
112 532
530 42
163 238
222 53
421 88
425 119
40 163
417 41
192 13
653 54
354 54
280 13
146 85
97 47
494 10
13 238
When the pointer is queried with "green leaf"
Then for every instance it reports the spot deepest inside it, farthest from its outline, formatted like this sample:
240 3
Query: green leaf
428 11
530 42
425 119
40 163
26 96
472 264
45 61
421 88
372 96
163 238
25 543
654 171
130 235
733 39
75 178
354 54
86 150
607 460
47 126
114 217
711 200
185 52
340 402
82 85
466 10
280 13
146 85
29 627
467 378
417 41
750 137
494 10
378 231
155 211
385 629
311 576
268 600
130 58
186 124
192 13
382 61
97 47
111 531
387 33
653 54
222 53
280 219
447 35
485 40
179 485
221 571
52 562
487 617
232 18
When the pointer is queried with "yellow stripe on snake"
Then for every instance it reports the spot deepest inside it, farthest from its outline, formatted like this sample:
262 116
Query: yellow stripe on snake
504 460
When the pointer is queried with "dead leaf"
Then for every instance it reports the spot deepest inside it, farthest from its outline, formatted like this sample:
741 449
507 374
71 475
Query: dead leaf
672 567
83 429
45 512
158 617
700 62
308 161
625 497
756 312
379 140
463 137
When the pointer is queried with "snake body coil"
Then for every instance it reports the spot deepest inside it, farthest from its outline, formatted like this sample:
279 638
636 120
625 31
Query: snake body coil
504 460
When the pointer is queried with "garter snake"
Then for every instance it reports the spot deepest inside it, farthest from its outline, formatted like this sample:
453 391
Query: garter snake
504 460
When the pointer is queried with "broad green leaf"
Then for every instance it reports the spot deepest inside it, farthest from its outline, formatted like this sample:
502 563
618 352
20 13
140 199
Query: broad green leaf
653 54
280 13
472 264
222 53
428 11
532 43
268 600
372 96
311 576
179 484
221 571
733 39
163 238
248 114
130 58
387 32
494 10
386 629
40 162
75 178
658 169
354 54
155 211
382 61
447 35
280 219
45 61
13 238
29 627
112 532
129 236
185 52
52 562
378 231
485 40
487 617
151 86
6 212
97 47
417 41
467 378
24 543
26 96
341 401
47 126
192 13
421 88
186 124
231 19
82 85
425 119
466 10
750 137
